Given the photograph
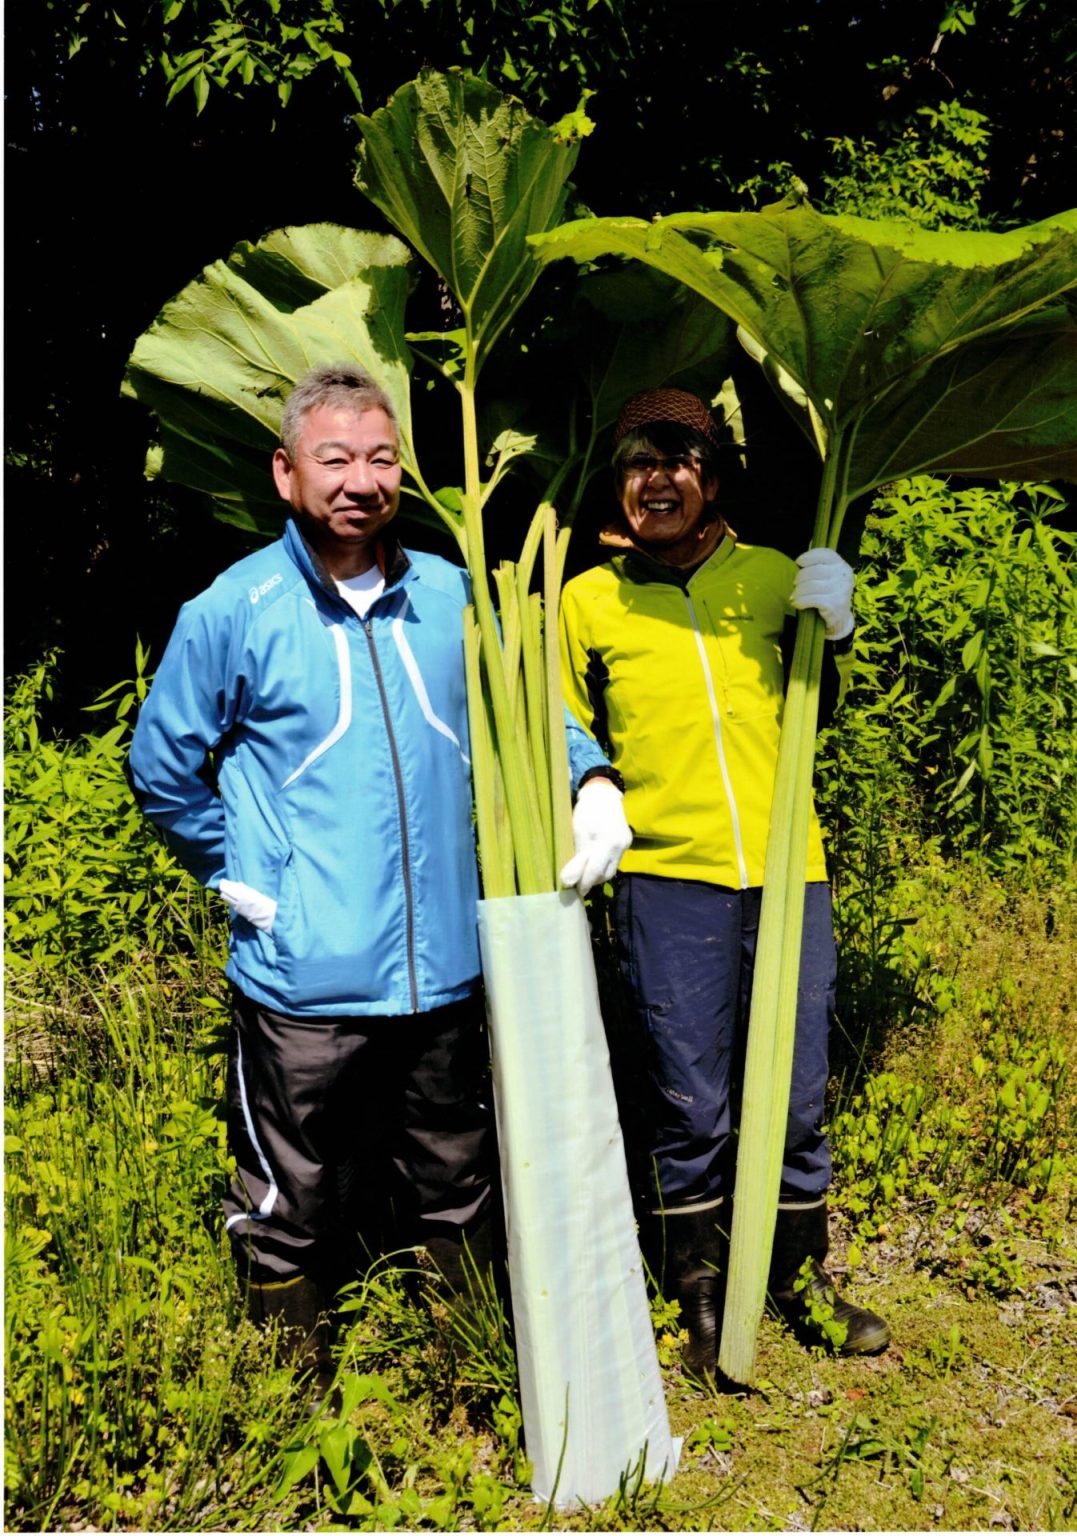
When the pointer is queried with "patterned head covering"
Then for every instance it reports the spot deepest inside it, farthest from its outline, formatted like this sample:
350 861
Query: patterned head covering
677 405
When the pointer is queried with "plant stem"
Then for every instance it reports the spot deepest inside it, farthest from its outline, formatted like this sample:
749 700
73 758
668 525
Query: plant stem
560 788
520 794
495 849
772 1022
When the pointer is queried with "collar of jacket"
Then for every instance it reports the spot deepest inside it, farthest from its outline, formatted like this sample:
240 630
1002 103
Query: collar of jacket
641 567
390 554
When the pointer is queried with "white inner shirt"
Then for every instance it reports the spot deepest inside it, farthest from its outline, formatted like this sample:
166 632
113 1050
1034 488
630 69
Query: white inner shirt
360 591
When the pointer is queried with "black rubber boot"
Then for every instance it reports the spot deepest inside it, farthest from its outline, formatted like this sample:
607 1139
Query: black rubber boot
304 1332
684 1251
802 1233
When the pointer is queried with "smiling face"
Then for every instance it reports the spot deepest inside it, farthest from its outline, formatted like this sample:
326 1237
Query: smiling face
663 497
344 483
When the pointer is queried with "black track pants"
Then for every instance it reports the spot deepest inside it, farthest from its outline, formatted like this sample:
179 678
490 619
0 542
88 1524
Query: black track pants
400 1105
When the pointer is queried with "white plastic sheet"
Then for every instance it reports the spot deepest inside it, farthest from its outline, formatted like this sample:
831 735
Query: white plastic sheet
590 1386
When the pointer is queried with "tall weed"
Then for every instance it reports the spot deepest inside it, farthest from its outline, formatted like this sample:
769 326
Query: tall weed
967 643
87 882
132 1387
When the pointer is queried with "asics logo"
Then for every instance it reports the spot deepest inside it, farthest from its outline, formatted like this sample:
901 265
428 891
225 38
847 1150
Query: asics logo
267 586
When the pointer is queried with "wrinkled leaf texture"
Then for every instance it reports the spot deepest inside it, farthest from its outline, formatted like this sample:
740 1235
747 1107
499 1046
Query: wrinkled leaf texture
222 357
622 331
643 331
466 175
941 350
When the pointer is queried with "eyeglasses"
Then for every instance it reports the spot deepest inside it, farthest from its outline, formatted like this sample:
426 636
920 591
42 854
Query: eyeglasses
642 464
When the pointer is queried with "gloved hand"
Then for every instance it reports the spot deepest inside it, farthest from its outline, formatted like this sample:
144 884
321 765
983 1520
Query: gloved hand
825 582
601 835
249 903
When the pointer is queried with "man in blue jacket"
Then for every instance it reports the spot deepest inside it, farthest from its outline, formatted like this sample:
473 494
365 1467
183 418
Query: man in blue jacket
304 752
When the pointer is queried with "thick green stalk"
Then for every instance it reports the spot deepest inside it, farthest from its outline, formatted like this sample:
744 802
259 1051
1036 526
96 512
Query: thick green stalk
512 627
537 728
560 784
520 794
772 1023
530 607
495 847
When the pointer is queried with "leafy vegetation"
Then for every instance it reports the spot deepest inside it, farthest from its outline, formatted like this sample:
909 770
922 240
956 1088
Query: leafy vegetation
468 177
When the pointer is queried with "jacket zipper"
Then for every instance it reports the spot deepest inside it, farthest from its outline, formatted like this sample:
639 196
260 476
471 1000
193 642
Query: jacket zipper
405 849
716 720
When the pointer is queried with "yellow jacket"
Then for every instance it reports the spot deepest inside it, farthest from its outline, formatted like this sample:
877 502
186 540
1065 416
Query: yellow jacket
682 684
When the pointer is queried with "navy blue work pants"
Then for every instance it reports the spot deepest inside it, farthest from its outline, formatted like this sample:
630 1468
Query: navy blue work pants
401 1105
687 950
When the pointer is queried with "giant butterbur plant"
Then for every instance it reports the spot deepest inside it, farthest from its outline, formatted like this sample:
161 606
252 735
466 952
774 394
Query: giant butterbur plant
897 350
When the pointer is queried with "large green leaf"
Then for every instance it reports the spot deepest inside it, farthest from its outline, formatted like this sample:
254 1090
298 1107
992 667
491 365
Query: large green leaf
869 321
1004 407
466 175
218 363
644 331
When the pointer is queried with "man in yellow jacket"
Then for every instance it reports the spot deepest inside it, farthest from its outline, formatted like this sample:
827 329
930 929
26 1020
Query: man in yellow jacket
672 658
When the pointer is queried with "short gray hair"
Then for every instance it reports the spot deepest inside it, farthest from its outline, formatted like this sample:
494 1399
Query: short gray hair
343 385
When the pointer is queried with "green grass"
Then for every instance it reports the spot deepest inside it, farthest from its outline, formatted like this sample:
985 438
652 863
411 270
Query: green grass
139 1397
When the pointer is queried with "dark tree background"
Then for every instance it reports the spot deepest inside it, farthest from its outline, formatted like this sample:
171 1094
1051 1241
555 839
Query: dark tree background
145 141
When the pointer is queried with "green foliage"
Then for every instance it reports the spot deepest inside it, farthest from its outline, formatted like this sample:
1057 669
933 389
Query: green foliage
864 1439
933 171
897 1141
138 1397
87 882
818 1311
233 44
897 349
711 1435
960 726
665 1320
966 1149
120 1342
986 1258
222 357
244 48
534 51
642 331
378 1491
467 175
948 1352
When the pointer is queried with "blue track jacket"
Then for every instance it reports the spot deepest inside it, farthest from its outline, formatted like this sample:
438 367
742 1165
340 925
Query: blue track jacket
323 760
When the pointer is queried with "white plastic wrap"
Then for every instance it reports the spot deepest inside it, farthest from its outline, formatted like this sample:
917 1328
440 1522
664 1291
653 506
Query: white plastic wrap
583 1332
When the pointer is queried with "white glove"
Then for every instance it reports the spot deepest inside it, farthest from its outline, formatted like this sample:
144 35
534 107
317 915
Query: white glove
249 903
600 833
825 582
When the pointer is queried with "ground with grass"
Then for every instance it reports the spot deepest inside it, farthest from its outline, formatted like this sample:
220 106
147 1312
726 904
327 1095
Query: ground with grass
139 1397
